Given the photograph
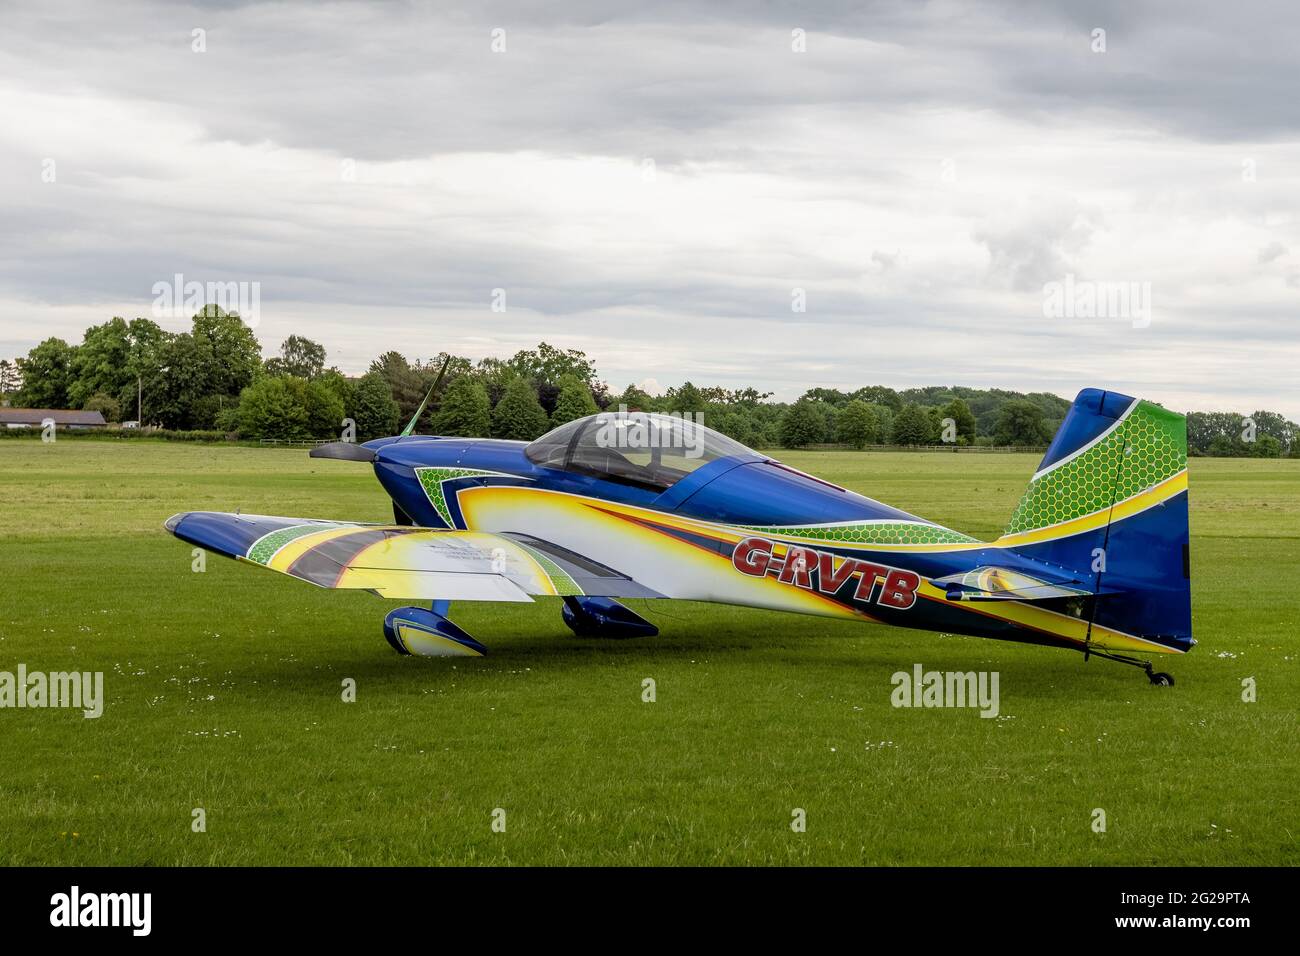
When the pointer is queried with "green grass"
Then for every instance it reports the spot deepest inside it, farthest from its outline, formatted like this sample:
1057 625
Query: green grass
223 692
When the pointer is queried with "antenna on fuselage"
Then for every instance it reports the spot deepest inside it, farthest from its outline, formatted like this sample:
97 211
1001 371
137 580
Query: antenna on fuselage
415 419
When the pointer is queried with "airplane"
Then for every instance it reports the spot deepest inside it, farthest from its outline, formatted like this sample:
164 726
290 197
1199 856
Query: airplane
619 505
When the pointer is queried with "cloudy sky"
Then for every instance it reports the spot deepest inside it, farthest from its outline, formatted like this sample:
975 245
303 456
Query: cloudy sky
664 185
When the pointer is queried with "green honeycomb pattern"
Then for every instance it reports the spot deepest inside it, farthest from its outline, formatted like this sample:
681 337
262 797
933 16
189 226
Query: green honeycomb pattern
264 548
1145 449
431 480
564 584
892 532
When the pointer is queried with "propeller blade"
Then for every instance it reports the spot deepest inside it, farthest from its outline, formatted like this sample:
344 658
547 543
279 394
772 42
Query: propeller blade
343 451
415 420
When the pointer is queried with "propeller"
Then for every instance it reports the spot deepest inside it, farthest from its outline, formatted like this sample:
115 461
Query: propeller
343 451
348 451
415 419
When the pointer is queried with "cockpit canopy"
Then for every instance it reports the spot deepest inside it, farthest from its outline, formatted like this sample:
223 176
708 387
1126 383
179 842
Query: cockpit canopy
638 448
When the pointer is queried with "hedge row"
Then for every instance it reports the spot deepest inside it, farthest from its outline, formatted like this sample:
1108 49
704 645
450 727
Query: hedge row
125 434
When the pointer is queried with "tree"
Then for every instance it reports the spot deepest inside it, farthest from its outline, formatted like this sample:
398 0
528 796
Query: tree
173 396
10 379
147 344
495 374
407 383
546 365
635 399
373 409
518 416
1266 446
102 364
1222 447
748 396
885 417
738 423
403 381
1020 422
323 407
47 375
192 376
299 357
912 426
106 405
857 425
341 386
465 410
232 355
963 419
880 395
830 419
1277 425
831 396
205 410
802 424
686 399
227 420
273 408
574 401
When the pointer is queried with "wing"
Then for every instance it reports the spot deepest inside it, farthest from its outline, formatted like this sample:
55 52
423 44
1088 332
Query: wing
405 563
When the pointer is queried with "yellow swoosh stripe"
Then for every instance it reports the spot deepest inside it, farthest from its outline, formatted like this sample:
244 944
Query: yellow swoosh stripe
284 559
1052 622
1140 502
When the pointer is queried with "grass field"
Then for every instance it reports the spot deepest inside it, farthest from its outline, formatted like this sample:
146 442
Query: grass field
224 693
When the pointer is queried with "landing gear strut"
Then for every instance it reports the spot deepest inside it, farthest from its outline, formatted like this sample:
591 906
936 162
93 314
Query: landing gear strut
1158 678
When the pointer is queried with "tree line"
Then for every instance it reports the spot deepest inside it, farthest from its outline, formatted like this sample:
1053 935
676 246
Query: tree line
213 378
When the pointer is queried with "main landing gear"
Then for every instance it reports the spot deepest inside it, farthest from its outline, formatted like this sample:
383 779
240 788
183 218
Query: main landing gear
605 617
1158 678
426 632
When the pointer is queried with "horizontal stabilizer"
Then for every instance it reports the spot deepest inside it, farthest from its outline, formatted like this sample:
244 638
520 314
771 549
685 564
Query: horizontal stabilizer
1004 584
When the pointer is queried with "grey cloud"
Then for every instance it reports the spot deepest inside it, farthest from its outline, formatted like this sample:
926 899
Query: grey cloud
1036 245
1274 250
908 280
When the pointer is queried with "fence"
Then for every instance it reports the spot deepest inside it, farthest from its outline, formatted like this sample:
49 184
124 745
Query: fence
955 449
287 443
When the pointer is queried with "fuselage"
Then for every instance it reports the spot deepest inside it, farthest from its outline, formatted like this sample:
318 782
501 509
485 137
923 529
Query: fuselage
740 529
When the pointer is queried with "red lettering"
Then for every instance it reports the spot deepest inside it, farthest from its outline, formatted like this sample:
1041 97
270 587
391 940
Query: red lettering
798 568
900 589
756 557
752 556
869 574
830 579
